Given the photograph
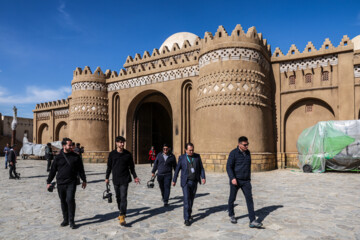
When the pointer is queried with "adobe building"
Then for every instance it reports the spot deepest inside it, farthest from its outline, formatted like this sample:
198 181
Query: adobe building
208 91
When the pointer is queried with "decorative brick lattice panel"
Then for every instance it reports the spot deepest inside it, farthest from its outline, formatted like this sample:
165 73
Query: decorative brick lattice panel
226 54
61 113
155 78
89 108
236 87
309 63
43 116
89 86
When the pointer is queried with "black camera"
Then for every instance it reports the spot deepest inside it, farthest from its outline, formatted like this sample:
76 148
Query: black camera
52 186
107 194
150 184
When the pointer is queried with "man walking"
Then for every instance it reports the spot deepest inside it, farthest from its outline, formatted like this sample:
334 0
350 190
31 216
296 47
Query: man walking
165 162
6 151
12 163
49 155
238 168
121 164
192 173
66 166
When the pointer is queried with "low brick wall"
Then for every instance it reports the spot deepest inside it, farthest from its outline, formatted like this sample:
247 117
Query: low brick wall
291 160
95 157
216 162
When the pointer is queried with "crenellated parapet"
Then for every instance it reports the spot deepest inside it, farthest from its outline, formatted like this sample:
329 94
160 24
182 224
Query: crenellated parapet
311 54
64 103
86 75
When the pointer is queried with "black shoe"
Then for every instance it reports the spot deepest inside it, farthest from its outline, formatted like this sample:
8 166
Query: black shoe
11 177
166 204
72 225
187 223
64 223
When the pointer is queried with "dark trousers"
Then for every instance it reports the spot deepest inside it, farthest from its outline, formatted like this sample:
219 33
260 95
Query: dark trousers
189 191
48 164
165 186
246 189
121 197
12 170
67 198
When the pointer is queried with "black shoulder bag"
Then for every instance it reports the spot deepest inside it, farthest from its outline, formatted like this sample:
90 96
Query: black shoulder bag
68 162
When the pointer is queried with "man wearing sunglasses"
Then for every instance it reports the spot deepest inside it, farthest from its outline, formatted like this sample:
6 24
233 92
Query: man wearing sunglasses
165 163
238 168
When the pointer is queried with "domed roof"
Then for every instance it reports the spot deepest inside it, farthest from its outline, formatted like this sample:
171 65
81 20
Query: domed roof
356 42
179 38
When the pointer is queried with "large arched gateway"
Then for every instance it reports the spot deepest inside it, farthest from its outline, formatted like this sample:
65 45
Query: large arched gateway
149 121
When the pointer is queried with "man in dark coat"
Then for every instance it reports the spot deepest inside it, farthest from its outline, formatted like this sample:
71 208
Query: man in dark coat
49 155
165 162
121 164
238 168
192 173
12 163
66 166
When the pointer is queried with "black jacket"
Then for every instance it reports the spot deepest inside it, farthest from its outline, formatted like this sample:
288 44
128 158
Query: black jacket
64 172
164 167
12 157
120 164
183 166
239 165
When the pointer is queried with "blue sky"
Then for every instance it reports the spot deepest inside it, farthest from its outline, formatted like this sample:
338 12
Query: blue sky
42 42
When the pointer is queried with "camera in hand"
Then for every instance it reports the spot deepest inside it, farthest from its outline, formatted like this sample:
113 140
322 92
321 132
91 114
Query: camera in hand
52 186
150 184
107 194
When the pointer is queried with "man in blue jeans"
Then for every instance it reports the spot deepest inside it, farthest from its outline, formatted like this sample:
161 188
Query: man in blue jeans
238 168
6 151
164 163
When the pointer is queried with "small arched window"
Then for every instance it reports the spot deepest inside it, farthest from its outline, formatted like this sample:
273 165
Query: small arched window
292 80
325 76
308 78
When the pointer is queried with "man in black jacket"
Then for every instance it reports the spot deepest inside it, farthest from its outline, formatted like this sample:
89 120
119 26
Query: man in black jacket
165 162
120 163
238 168
66 166
12 163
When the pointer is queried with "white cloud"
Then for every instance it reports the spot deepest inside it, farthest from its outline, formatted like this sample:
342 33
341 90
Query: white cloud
65 19
34 95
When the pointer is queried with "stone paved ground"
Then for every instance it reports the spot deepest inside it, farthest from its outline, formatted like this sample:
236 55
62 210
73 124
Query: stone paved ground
291 205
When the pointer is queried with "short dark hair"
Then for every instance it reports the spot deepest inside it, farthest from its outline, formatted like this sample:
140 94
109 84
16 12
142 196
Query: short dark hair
48 144
78 144
120 139
166 145
243 139
188 144
63 142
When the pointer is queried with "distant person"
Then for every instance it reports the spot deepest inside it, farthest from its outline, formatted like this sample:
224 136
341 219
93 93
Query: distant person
238 168
79 150
6 151
12 163
192 173
152 155
49 155
66 166
121 164
165 163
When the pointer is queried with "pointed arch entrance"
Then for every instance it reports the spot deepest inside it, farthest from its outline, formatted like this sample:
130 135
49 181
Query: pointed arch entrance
149 122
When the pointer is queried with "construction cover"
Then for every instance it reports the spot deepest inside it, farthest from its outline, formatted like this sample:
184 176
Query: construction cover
330 144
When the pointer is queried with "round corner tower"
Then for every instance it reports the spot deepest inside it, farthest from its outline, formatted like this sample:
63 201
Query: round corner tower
89 110
234 95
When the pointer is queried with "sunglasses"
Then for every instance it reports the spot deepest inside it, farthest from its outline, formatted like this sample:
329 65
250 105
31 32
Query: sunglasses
165 148
245 145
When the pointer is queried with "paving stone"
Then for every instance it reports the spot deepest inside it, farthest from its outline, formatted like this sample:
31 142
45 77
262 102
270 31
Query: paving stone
291 205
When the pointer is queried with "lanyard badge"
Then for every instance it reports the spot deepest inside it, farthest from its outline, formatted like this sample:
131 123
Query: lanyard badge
191 163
